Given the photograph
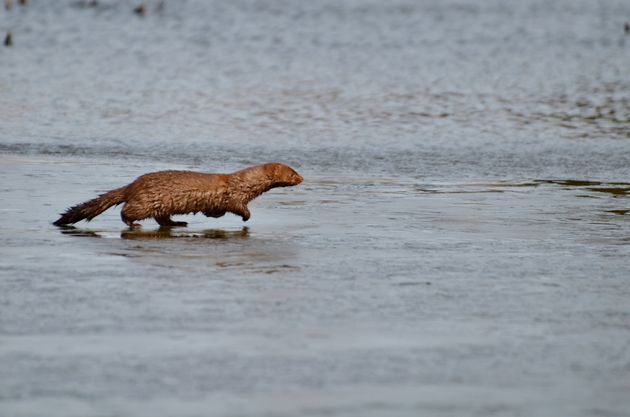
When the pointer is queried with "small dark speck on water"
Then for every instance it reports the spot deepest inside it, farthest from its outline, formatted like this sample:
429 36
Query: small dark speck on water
412 284
141 9
8 39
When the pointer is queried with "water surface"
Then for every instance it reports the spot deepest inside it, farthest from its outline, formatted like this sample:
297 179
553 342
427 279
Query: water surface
459 245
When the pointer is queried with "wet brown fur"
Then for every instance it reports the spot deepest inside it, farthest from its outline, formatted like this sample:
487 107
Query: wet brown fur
165 193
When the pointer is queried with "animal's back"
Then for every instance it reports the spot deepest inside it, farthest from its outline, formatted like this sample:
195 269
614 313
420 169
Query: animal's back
174 192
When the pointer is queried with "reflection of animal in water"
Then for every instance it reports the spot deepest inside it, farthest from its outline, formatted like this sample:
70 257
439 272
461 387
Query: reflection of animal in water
169 233
163 194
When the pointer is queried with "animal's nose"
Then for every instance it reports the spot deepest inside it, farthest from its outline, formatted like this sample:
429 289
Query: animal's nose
298 179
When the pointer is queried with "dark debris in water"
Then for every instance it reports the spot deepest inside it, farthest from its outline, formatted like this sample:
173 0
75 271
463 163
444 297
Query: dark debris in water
8 39
570 183
587 188
617 189
459 191
278 268
620 212
522 184
617 192
412 283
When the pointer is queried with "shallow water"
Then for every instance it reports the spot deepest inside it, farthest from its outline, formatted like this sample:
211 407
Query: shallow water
459 245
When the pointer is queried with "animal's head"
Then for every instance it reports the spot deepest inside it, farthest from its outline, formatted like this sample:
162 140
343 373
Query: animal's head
282 175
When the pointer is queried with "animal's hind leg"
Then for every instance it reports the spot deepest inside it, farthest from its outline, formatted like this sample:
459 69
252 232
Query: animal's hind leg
128 219
166 221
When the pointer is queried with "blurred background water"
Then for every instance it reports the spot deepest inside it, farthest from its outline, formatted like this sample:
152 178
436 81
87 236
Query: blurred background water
459 246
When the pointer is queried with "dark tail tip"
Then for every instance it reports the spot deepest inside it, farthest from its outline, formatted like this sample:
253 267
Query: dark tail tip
60 222
65 219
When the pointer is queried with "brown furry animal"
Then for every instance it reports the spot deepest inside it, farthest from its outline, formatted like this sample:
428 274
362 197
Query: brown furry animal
163 194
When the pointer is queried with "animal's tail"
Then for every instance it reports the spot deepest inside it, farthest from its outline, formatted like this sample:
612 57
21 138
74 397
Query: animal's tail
92 208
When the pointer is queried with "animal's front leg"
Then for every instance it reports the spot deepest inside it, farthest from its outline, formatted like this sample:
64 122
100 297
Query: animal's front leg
166 221
241 210
215 214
